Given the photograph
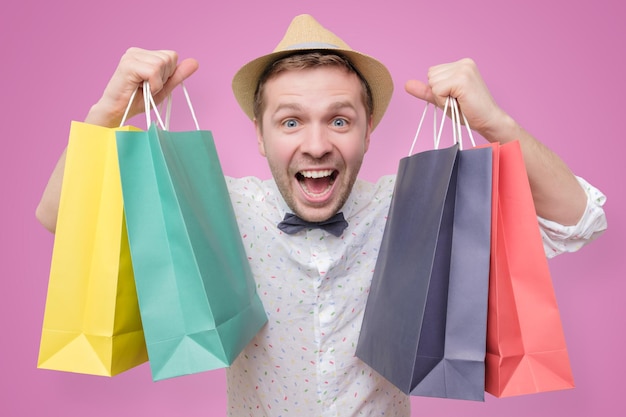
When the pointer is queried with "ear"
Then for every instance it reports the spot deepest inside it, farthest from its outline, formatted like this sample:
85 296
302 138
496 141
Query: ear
259 137
368 133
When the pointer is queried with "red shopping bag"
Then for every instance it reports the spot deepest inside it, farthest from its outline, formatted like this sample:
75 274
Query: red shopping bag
526 349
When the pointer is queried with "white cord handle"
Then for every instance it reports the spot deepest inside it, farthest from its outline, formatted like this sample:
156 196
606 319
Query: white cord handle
130 102
168 111
456 115
419 127
149 103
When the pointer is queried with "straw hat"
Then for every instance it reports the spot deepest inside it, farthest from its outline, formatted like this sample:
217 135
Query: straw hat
305 34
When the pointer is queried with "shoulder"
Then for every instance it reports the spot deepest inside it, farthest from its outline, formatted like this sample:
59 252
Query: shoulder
250 188
381 189
371 198
253 198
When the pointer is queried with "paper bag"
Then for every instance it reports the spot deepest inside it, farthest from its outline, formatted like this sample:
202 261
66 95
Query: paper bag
196 292
526 348
425 321
91 323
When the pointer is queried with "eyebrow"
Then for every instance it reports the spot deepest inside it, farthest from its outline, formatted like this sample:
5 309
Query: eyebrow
338 105
288 106
335 106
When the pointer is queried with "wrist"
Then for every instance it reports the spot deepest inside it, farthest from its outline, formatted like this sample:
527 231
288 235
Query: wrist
503 128
104 114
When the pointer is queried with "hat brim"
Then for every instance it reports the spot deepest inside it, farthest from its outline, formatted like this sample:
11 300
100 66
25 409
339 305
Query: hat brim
377 76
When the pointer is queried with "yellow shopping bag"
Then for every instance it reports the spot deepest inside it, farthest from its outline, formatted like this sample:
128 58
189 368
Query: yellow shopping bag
91 322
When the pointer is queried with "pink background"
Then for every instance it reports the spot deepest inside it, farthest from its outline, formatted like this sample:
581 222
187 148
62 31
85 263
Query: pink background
556 65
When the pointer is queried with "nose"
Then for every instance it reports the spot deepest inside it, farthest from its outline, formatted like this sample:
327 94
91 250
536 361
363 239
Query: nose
316 142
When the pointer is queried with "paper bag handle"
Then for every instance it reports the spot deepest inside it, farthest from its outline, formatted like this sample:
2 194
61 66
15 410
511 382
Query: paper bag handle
149 104
455 114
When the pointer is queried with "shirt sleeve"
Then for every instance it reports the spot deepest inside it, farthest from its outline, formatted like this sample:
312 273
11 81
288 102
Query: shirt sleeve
558 238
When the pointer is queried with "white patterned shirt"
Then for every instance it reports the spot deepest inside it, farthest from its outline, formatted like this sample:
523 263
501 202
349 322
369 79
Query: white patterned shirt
314 288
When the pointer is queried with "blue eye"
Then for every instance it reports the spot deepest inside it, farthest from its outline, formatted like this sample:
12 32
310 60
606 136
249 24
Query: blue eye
340 122
290 123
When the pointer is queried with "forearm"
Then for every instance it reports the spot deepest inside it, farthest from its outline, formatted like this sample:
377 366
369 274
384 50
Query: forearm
557 193
48 207
163 72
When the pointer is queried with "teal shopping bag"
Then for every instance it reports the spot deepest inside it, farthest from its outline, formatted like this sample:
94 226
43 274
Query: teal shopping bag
197 297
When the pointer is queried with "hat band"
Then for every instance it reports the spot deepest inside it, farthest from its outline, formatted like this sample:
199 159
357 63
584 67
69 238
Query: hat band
312 45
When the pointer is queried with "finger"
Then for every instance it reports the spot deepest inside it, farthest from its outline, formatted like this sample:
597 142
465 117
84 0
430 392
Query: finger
163 73
442 81
156 67
183 71
420 90
136 66
453 79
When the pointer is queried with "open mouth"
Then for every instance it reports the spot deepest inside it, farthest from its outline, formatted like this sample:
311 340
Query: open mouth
316 183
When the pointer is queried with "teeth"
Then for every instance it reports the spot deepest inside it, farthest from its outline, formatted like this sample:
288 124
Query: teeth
316 174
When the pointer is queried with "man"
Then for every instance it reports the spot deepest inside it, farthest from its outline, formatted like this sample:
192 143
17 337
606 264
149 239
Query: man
315 102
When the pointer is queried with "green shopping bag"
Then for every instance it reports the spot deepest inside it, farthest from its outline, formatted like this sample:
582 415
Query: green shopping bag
197 297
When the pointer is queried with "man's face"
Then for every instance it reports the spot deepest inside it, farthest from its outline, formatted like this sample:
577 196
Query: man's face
314 134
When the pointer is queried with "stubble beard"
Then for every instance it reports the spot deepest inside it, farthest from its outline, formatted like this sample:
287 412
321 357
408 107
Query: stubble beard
284 183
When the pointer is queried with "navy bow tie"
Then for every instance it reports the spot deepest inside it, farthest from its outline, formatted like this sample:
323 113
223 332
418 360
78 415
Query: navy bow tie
292 224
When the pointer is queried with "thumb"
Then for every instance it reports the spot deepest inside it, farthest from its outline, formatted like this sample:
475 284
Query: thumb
420 90
184 70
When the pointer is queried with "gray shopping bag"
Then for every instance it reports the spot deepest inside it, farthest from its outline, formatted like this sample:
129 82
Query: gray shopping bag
425 321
